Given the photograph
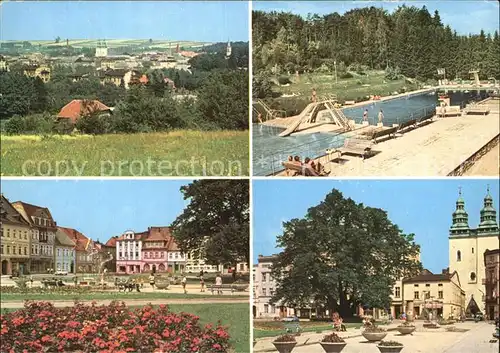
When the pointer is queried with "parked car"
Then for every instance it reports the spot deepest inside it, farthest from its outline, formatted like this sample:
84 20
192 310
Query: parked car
61 273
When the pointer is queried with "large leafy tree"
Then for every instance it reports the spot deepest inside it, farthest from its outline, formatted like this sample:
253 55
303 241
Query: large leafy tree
215 224
341 255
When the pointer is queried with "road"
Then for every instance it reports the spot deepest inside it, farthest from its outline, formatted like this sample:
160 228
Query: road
476 340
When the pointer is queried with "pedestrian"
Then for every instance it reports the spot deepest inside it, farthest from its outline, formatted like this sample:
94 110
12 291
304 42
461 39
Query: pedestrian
31 280
313 96
218 283
183 282
202 282
142 282
380 116
152 281
365 115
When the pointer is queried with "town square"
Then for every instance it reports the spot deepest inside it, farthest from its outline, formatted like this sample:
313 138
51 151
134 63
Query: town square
127 259
376 265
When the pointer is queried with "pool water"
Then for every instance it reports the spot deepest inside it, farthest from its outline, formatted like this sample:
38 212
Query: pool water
270 150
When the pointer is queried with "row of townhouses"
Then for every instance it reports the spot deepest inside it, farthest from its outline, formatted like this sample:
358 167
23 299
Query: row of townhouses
468 286
32 242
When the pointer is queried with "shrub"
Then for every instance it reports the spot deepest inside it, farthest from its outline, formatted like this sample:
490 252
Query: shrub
114 328
390 344
332 338
346 75
284 80
373 328
285 338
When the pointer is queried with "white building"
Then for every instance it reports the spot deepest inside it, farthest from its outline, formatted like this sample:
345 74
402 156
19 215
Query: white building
264 289
128 252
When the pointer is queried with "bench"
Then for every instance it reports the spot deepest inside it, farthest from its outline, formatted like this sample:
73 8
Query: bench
305 170
292 327
453 110
477 110
225 287
412 122
356 147
385 132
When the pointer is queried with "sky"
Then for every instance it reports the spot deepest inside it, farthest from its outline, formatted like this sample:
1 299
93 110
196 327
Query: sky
162 20
464 16
422 207
102 209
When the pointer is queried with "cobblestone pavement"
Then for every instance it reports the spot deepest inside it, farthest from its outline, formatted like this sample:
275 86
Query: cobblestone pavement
422 341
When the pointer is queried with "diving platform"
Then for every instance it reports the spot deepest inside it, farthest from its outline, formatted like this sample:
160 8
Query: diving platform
319 113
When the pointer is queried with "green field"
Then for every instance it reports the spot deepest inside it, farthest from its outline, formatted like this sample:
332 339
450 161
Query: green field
234 316
178 153
373 83
114 43
7 297
263 329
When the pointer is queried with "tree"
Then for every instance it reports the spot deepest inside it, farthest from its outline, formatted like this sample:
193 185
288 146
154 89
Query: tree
215 224
58 39
341 255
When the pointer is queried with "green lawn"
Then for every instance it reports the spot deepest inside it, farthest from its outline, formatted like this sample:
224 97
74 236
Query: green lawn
107 295
178 153
345 89
264 329
234 316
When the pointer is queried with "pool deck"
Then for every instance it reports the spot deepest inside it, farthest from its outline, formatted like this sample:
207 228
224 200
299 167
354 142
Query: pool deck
432 150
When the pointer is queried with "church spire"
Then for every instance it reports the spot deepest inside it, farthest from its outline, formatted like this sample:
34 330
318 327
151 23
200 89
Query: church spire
488 215
460 225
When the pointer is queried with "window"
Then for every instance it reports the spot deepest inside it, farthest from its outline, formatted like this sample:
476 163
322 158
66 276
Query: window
427 295
8 249
415 295
427 285
271 292
25 251
20 252
14 250
273 309
264 292
440 285
459 256
397 292
1 249
266 308
415 285
440 294
14 234
472 276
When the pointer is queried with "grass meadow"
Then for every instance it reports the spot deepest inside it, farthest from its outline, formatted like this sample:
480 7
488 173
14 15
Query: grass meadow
177 153
263 329
373 83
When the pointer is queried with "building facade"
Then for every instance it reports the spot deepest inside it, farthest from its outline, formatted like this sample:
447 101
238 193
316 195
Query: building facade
430 296
129 252
84 260
64 252
264 289
35 70
15 240
466 251
491 283
43 233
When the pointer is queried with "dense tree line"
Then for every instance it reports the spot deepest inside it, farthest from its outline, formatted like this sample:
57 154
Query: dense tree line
220 102
410 39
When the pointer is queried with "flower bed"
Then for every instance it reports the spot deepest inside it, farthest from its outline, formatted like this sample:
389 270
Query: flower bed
40 327
65 290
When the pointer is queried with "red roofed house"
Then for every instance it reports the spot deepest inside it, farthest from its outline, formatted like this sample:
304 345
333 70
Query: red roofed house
43 233
83 246
78 108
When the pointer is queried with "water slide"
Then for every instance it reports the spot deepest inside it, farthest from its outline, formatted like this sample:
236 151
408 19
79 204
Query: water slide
305 113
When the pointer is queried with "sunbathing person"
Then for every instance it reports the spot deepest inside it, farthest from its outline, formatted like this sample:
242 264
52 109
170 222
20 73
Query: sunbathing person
296 160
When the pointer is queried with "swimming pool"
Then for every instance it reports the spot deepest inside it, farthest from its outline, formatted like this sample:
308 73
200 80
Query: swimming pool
270 150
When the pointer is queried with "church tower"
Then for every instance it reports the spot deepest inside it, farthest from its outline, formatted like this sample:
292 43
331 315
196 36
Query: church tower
466 250
102 49
229 50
